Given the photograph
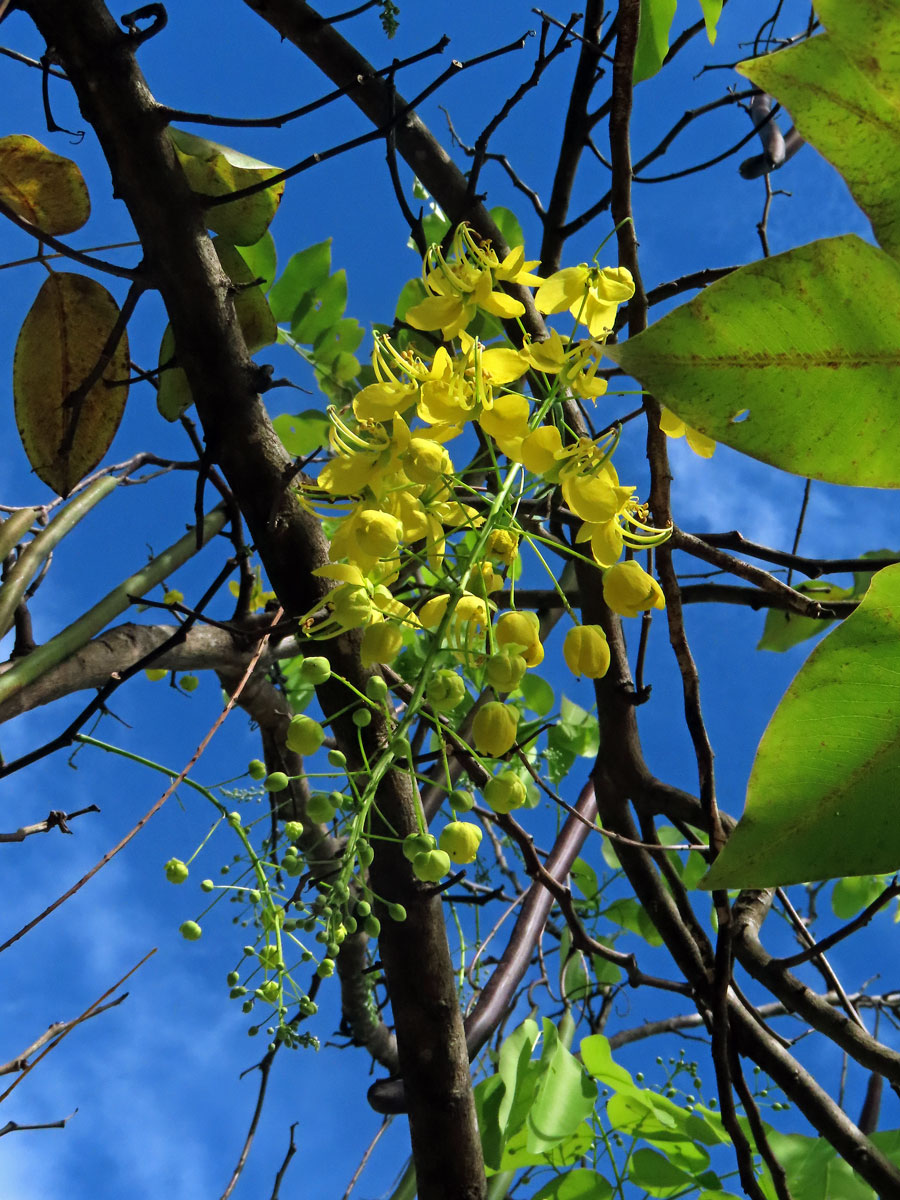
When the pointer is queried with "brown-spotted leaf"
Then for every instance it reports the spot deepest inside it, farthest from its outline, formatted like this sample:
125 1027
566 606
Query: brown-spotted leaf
214 170
61 345
42 187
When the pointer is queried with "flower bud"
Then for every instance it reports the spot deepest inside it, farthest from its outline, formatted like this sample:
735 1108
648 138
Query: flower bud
304 735
445 690
504 792
461 839
381 643
431 865
629 590
319 808
277 781
293 830
586 651
176 870
190 931
315 670
504 671
522 629
256 769
494 728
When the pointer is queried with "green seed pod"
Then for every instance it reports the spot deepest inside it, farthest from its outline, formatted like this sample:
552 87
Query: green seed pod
256 769
276 782
304 735
431 865
190 931
176 871
315 670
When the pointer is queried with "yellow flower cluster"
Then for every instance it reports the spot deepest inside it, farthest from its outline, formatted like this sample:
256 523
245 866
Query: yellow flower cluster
390 490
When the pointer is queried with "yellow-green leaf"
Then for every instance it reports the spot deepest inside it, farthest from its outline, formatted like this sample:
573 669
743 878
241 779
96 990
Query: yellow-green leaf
42 187
214 170
822 797
254 317
60 345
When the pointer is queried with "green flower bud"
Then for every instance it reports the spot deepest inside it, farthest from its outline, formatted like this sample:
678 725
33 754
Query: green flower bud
176 871
504 792
361 718
276 782
337 758
431 865
461 800
461 839
293 830
372 926
268 991
315 670
363 908
207 885
364 853
376 689
304 735
445 690
504 671
155 674
268 957
325 968
494 728
319 808
232 978
256 769
417 843
190 931
396 912
189 682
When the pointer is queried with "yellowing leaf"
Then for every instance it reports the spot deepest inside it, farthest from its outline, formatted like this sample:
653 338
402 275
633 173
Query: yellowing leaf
42 187
60 345
214 170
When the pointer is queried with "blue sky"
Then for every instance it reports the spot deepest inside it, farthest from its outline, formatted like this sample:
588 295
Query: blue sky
155 1081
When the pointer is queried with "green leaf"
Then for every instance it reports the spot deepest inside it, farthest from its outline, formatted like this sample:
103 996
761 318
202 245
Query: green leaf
598 1061
792 360
174 396
42 187
649 1170
342 338
653 37
261 258
516 1153
585 878
305 271
577 730
712 10
60 345
630 914
814 1169
488 1096
783 630
578 1184
822 801
564 1099
539 695
842 91
250 304
862 579
851 895
508 224
318 310
515 1059
304 432
214 170
605 972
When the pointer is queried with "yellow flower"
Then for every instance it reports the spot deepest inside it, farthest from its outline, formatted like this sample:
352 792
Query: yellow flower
382 641
502 546
586 651
674 427
521 630
507 417
629 590
591 294
494 728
